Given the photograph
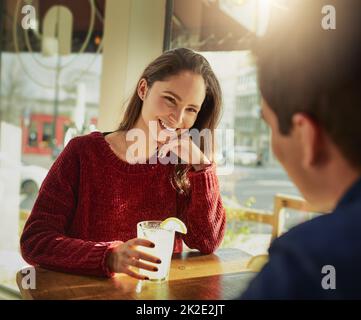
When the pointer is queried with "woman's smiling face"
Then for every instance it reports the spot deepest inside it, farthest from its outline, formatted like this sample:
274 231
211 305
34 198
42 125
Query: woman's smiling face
173 103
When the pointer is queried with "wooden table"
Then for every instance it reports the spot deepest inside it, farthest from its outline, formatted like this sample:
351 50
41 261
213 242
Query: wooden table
193 276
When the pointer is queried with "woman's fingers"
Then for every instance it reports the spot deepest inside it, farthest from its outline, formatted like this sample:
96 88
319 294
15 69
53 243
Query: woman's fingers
135 275
177 145
127 255
186 150
136 263
142 255
140 242
167 147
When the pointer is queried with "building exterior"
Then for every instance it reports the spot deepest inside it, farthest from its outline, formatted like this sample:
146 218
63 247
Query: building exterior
237 75
31 104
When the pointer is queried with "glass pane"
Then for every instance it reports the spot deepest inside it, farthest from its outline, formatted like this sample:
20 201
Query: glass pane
33 135
222 31
295 217
50 77
47 135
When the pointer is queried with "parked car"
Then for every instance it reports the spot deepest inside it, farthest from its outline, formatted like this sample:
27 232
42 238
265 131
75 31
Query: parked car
32 177
246 156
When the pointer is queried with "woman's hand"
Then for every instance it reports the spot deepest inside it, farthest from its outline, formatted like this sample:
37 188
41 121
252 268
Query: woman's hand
124 255
185 149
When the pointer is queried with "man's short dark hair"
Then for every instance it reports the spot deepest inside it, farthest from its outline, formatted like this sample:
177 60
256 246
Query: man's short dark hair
303 67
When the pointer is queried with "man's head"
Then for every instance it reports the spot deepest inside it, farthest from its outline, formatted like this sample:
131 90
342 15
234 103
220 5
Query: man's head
310 80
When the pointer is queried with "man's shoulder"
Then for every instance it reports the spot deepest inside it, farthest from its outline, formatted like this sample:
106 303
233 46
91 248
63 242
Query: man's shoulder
306 260
334 236
336 223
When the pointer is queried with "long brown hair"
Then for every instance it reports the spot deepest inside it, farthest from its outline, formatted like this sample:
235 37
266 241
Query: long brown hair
171 63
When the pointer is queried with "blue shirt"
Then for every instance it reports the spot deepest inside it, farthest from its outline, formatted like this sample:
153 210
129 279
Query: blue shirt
297 260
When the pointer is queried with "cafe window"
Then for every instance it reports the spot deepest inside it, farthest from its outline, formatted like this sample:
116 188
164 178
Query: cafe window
33 135
48 84
222 32
47 134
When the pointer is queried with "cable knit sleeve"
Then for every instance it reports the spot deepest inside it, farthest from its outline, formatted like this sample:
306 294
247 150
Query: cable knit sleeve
44 241
204 214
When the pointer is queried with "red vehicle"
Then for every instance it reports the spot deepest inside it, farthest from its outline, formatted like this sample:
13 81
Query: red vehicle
38 132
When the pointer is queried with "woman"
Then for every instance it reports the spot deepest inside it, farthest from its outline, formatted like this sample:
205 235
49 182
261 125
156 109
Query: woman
84 219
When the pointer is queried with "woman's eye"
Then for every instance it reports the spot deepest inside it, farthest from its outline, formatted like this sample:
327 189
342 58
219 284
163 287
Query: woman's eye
192 110
170 99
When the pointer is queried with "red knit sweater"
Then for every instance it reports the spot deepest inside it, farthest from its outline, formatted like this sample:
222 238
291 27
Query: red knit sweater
91 198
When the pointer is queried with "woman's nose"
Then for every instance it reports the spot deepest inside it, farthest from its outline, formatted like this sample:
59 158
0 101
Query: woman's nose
176 118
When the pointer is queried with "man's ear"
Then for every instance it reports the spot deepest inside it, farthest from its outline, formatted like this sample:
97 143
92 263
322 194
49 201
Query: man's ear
310 138
142 88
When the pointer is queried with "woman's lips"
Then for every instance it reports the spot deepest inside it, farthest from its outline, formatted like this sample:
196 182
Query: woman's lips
164 126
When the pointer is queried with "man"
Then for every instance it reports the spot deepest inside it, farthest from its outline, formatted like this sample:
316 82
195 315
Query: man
310 81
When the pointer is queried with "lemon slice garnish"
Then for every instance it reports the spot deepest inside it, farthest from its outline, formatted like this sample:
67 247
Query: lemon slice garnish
174 224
